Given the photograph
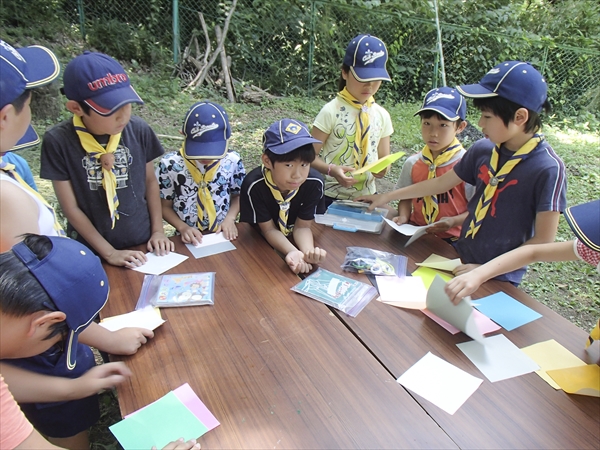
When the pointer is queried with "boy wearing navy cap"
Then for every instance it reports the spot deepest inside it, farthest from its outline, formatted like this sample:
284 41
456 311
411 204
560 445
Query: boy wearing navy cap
354 130
100 164
283 195
520 183
584 221
442 117
200 185
51 288
22 209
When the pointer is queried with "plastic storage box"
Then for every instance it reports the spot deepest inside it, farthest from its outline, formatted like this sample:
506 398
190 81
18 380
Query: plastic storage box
351 216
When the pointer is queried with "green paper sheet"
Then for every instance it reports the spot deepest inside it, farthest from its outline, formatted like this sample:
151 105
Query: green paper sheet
379 165
427 275
161 422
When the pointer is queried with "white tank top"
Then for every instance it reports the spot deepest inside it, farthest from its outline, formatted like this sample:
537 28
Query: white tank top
45 217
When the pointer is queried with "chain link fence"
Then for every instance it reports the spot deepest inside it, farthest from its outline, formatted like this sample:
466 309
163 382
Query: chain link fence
296 47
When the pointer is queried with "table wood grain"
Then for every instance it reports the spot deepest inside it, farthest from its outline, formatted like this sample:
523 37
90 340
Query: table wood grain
277 369
522 412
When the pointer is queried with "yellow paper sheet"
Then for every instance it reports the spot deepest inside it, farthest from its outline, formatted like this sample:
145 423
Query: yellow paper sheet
583 380
427 275
439 262
550 355
379 165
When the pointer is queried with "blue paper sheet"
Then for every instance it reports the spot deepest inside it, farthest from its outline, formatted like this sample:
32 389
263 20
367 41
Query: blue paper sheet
505 310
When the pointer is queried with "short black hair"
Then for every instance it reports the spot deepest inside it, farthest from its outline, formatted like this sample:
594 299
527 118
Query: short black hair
21 294
305 153
429 113
341 81
85 108
506 109
19 102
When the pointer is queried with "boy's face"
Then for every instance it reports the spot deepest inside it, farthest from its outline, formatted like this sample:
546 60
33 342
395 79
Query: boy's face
359 90
287 175
13 125
493 127
438 133
24 336
101 125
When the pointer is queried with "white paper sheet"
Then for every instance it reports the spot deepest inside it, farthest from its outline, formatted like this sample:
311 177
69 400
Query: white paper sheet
148 318
460 315
159 264
212 244
438 381
498 358
408 230
407 292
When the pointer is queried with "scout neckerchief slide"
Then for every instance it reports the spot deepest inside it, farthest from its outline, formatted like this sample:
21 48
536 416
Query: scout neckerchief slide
496 177
206 204
594 334
9 169
284 203
430 202
106 158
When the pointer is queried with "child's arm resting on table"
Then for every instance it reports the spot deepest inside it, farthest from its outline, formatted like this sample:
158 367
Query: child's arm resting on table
83 225
125 341
422 189
466 284
159 243
228 226
189 235
293 257
32 387
304 240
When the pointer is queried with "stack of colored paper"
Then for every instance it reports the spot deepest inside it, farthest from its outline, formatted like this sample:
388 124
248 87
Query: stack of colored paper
179 414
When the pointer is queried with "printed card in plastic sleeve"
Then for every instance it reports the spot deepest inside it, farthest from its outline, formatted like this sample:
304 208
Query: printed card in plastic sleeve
185 289
339 292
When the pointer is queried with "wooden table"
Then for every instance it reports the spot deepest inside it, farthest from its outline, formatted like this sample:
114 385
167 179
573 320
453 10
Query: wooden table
521 412
278 370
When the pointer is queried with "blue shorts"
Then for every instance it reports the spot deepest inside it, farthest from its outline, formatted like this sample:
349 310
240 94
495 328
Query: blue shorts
65 419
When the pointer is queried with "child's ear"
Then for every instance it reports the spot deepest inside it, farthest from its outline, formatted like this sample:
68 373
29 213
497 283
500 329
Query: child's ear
521 116
41 321
5 115
267 162
75 108
461 126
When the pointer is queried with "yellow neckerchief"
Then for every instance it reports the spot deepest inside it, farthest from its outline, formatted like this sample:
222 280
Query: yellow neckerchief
9 169
206 204
361 137
284 203
95 150
496 177
430 202
594 335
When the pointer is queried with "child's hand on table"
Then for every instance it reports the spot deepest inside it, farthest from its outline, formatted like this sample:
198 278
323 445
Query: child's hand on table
160 244
180 444
127 341
315 256
127 258
229 229
191 235
295 261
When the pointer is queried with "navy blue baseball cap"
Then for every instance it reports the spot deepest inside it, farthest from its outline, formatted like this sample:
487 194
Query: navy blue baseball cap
287 135
516 81
100 82
367 56
446 101
22 69
584 220
74 279
206 129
